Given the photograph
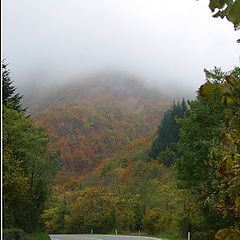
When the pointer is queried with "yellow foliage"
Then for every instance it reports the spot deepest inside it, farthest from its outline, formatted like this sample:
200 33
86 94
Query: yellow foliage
227 234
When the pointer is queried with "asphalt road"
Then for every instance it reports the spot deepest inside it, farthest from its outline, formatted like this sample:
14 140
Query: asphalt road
99 237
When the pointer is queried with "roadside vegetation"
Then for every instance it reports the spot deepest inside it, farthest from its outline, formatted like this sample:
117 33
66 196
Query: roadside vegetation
170 237
38 236
29 165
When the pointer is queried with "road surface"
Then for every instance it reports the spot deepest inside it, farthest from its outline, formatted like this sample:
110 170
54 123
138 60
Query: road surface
100 237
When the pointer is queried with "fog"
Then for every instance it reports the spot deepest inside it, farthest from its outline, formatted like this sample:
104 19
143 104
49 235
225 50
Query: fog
167 43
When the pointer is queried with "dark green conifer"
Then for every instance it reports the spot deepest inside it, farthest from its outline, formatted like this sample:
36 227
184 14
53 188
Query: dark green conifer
9 91
168 130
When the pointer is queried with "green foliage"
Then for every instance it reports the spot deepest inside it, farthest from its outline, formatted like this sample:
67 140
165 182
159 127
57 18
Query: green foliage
38 236
229 9
168 236
138 187
223 86
227 185
168 134
137 206
9 96
227 234
28 167
124 216
209 147
94 209
201 124
14 233
167 157
155 221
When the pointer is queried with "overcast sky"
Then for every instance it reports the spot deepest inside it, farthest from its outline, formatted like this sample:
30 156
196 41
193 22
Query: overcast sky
168 42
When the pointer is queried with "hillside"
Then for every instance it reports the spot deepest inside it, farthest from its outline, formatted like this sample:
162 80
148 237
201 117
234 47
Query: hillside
124 166
92 119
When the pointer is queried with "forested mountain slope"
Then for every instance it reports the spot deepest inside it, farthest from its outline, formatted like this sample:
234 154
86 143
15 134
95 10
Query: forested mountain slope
92 119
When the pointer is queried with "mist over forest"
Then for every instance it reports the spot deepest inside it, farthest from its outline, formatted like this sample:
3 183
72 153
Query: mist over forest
48 43
121 117
118 81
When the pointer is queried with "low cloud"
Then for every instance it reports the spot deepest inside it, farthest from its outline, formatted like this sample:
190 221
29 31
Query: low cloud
167 43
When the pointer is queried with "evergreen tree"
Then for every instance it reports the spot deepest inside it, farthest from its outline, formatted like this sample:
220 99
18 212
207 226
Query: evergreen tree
9 95
168 131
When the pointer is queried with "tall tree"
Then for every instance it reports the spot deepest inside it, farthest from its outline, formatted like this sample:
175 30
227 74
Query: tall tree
226 90
201 124
93 210
28 164
28 167
197 166
9 91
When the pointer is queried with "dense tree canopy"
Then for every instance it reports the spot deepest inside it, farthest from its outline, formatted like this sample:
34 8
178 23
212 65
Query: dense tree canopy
226 90
92 120
28 165
209 148
200 125
94 209
168 134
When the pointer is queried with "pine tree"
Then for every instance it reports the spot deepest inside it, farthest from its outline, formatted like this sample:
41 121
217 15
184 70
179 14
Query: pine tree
168 130
9 95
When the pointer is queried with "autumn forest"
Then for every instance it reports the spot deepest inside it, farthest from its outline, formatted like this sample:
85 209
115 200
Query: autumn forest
110 153
100 155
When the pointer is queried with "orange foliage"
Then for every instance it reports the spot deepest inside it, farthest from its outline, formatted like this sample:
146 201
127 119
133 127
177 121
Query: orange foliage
92 121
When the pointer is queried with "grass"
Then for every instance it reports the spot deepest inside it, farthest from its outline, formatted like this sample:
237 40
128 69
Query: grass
30 236
170 237
38 236
11 230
